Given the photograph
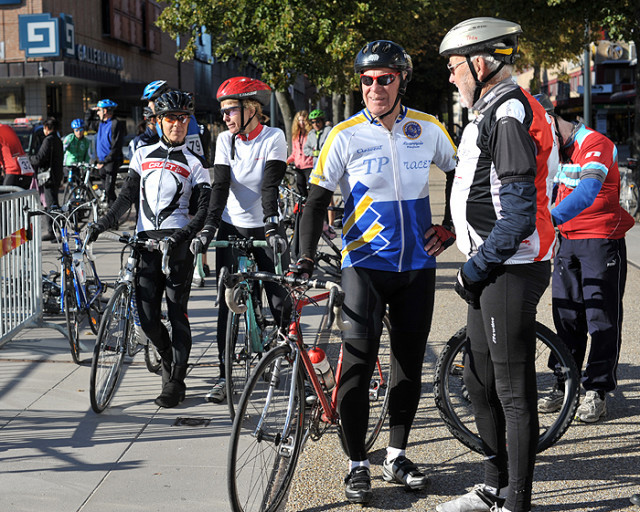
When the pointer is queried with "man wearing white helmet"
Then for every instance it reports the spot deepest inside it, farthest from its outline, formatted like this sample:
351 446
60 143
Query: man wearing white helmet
499 204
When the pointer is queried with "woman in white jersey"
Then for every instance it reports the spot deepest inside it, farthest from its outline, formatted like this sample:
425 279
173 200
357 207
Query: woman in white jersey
250 162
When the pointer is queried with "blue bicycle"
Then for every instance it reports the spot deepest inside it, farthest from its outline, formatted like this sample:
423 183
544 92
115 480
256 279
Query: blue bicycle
81 289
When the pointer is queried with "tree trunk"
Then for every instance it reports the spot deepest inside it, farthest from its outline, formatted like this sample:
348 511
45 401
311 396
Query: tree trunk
534 84
348 105
285 102
336 107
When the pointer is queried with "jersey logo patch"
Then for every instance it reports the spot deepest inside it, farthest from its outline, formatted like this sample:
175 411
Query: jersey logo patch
412 130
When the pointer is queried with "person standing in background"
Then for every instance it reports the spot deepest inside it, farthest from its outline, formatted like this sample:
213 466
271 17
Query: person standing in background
77 148
14 163
303 163
48 165
111 132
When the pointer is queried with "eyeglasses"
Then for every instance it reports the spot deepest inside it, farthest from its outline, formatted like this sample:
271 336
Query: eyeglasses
452 67
173 118
230 111
314 121
383 80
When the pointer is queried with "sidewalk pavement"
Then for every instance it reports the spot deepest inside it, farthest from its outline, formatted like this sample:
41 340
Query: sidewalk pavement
57 455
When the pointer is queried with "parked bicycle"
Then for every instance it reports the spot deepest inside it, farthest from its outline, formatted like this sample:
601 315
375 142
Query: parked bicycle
629 193
271 418
80 287
454 404
119 333
251 332
80 188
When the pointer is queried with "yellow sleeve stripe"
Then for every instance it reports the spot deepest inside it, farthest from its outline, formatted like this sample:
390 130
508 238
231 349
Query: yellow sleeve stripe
318 174
422 116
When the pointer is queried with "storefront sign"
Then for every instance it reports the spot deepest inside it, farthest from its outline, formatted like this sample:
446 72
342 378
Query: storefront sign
39 35
101 58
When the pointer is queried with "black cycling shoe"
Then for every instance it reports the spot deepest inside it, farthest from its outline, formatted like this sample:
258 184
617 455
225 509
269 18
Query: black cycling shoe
358 485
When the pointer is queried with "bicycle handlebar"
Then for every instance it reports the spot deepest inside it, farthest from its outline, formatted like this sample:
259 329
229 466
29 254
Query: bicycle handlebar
336 294
150 244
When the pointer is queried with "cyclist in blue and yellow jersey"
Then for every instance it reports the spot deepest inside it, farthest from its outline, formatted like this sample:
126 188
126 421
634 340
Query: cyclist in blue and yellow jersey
381 158
500 207
77 148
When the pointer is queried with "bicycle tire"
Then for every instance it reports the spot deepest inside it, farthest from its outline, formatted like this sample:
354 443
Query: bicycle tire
237 358
152 358
108 354
261 462
79 195
453 402
73 319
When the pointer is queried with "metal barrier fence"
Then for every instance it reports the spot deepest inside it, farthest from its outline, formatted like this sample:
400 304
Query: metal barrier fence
20 265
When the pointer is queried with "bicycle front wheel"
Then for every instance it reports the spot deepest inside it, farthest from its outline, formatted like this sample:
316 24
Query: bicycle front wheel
108 353
266 438
73 318
238 358
453 402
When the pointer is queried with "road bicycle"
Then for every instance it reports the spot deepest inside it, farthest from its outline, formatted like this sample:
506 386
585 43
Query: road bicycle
629 194
80 189
454 404
271 423
252 331
81 289
119 333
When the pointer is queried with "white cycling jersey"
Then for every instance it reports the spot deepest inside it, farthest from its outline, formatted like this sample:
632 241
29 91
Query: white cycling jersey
167 178
384 178
244 205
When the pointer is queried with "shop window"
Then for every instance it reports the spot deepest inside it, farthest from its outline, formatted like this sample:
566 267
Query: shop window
12 102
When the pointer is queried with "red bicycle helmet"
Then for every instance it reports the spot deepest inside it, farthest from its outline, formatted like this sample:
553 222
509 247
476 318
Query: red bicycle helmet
244 88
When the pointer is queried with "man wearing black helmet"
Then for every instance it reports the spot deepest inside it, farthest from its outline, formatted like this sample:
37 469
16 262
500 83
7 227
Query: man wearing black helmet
500 208
165 179
381 158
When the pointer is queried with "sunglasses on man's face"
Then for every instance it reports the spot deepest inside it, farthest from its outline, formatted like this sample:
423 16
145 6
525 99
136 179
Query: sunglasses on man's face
314 121
383 80
174 118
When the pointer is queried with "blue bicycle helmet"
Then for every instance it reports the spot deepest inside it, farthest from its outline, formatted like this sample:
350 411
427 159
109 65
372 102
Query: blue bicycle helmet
107 103
77 124
154 89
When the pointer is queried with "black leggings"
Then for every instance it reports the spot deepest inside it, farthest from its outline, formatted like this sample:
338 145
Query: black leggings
409 296
152 285
279 303
500 376
302 181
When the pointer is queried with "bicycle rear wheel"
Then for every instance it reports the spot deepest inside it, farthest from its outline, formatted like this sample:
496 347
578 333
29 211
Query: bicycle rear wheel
454 404
108 354
73 318
263 457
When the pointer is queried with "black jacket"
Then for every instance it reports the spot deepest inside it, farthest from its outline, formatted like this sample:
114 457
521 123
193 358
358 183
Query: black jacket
50 156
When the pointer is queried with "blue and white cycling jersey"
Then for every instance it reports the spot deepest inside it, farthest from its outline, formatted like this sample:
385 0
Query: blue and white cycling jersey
384 179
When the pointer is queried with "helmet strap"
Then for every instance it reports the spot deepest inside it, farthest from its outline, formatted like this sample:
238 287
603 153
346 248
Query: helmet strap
243 127
481 83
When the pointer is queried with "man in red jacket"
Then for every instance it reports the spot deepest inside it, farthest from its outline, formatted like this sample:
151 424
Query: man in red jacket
590 268
15 164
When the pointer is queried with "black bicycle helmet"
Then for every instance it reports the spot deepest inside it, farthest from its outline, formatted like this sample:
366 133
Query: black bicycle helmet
385 54
174 101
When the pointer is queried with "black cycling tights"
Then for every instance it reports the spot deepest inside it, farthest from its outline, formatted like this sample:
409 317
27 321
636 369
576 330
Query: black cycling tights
279 304
152 286
409 296
500 376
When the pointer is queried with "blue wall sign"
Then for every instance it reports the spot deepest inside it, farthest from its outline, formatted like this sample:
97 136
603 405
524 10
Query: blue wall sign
39 35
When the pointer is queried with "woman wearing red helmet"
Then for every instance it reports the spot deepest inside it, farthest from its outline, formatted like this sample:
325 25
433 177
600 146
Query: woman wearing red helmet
249 164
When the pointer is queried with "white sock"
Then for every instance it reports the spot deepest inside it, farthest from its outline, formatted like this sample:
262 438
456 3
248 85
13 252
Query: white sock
356 463
394 453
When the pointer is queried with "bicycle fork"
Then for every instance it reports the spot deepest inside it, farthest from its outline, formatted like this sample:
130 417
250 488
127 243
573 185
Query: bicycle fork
283 440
